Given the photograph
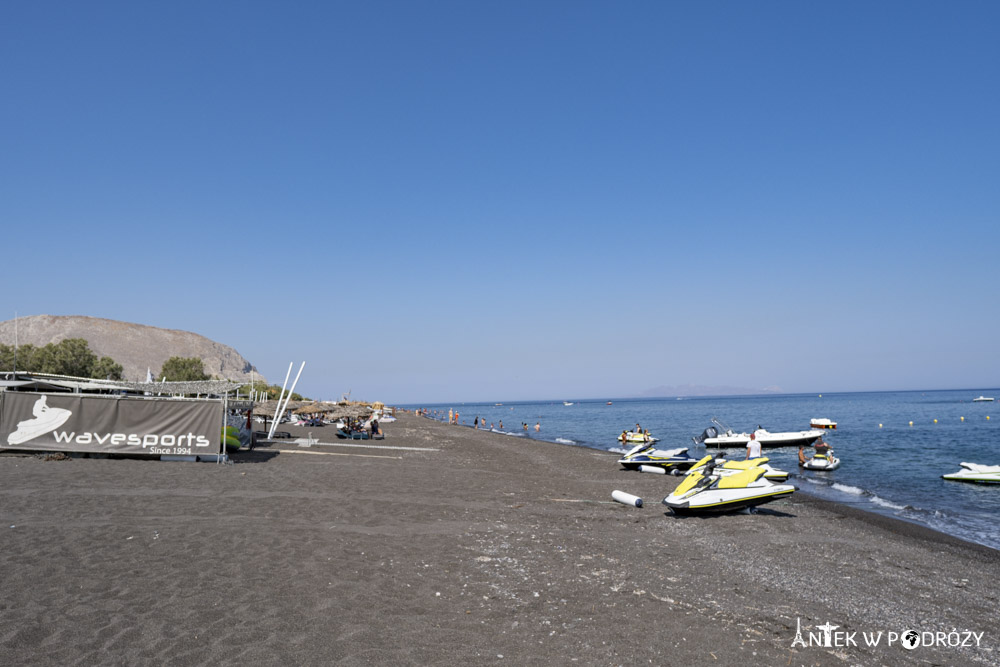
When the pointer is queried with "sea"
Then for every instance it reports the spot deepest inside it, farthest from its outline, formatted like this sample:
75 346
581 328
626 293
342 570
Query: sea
893 446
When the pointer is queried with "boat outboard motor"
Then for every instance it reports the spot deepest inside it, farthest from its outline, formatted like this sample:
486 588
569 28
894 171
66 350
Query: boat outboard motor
710 432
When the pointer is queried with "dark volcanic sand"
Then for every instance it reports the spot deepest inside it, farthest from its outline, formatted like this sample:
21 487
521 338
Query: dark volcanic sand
457 556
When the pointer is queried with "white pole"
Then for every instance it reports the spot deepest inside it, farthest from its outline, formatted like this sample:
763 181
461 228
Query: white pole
281 396
287 398
225 423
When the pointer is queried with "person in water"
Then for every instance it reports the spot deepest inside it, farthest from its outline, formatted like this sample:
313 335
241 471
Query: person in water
802 455
822 448
538 426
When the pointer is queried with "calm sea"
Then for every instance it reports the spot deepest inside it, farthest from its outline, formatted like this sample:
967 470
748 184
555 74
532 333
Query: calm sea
887 465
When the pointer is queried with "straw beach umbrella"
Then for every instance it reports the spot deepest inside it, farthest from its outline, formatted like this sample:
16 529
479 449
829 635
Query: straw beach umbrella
313 408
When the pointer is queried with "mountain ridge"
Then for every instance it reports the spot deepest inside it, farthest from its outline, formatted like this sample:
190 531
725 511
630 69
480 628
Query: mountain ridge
135 346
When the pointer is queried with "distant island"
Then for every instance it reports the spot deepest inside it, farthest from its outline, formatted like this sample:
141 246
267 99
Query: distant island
704 390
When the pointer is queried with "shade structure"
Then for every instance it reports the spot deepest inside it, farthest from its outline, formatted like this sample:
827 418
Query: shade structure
314 408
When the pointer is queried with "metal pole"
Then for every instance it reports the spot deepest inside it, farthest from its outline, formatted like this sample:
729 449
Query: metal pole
288 398
225 420
270 433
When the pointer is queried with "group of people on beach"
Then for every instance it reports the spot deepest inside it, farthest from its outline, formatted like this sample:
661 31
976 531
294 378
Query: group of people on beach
478 422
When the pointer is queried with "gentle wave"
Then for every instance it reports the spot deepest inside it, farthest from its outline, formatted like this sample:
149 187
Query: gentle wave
853 490
564 441
882 502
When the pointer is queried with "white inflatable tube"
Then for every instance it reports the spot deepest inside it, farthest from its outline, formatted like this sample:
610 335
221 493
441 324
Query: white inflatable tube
656 469
627 498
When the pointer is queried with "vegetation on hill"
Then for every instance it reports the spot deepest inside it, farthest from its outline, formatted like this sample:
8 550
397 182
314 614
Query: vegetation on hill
71 356
183 369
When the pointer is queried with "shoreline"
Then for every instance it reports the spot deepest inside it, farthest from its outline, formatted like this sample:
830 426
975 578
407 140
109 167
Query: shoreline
443 546
870 511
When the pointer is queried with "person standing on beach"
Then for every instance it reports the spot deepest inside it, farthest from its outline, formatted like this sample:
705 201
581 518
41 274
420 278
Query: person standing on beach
451 417
753 447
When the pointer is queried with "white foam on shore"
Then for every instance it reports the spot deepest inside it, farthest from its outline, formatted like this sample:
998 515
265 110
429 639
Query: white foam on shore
882 502
618 450
565 441
853 490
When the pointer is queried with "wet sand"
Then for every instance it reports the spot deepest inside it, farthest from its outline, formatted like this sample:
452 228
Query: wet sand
489 550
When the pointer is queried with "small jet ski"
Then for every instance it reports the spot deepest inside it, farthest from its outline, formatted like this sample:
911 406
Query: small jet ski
646 454
726 467
631 436
822 462
707 490
977 473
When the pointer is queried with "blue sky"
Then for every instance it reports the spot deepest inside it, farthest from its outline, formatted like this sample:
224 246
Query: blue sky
446 201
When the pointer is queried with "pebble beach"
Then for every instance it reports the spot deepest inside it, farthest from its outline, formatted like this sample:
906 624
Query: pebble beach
443 545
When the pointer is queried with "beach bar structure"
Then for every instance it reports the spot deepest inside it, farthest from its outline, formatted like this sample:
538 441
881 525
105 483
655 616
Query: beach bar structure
78 415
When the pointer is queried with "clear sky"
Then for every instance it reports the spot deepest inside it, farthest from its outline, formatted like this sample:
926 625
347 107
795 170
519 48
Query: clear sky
445 201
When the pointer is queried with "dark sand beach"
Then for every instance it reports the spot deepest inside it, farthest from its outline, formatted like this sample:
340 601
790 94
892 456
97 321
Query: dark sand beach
488 550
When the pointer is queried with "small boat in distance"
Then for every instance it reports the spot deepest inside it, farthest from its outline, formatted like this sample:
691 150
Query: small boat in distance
983 399
822 423
567 403
608 403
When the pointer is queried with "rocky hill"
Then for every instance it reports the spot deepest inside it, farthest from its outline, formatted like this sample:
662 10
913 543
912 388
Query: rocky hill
135 346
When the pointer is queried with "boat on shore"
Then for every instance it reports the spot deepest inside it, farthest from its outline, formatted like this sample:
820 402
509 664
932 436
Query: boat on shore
707 490
668 459
721 436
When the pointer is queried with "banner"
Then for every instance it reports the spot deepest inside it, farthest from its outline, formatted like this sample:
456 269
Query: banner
112 425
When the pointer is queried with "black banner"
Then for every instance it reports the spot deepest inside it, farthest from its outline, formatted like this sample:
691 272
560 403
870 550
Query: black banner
118 425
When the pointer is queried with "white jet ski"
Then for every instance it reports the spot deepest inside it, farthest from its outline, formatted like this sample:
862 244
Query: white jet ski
646 454
822 462
726 467
720 435
706 490
977 473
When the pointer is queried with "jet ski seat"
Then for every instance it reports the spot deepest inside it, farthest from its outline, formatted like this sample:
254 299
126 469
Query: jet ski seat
741 479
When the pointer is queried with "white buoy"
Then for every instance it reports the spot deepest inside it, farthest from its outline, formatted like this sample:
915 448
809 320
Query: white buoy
627 498
656 469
